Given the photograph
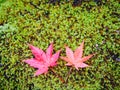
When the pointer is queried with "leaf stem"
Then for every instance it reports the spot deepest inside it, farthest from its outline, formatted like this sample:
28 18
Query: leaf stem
68 75
61 79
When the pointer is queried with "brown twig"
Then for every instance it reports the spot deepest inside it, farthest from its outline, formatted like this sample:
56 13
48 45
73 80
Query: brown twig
68 75
61 79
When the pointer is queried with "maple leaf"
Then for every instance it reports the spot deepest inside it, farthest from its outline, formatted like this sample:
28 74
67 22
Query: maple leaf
75 58
42 61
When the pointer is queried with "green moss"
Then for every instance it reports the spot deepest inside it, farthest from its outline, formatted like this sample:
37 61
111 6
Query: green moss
39 23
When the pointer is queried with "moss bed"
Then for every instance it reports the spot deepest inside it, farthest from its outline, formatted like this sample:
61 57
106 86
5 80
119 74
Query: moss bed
40 22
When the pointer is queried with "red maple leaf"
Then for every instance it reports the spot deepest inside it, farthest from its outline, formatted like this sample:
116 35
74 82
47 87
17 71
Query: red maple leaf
42 60
75 59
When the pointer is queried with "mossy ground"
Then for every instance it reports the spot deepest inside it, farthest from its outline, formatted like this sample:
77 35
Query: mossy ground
39 23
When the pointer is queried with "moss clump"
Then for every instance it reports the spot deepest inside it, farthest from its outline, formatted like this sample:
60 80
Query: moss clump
39 23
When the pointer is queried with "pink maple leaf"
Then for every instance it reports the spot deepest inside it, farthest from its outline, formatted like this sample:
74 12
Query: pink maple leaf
75 58
42 61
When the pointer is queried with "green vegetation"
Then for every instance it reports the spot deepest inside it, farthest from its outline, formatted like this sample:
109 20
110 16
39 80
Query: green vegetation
39 23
